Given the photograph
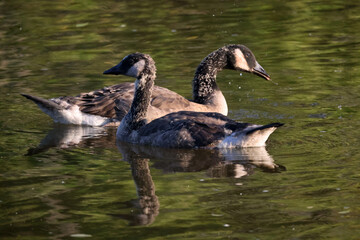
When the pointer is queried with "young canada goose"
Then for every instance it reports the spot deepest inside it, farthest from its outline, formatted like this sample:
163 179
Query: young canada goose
184 129
96 108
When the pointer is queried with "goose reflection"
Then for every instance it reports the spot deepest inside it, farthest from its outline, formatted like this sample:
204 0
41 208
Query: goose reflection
217 162
66 136
147 203
234 162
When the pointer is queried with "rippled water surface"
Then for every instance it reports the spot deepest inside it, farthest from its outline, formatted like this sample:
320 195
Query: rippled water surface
61 182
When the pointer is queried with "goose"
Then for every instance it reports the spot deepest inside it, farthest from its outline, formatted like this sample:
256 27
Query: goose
183 129
96 108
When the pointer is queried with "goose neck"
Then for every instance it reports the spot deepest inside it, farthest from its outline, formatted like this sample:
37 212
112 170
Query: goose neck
204 83
136 117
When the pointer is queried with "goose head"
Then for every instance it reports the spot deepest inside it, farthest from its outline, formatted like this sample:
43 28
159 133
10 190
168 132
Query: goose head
241 58
134 65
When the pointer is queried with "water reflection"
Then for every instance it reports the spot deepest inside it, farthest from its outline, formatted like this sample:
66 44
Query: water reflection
65 136
235 163
57 217
217 163
147 203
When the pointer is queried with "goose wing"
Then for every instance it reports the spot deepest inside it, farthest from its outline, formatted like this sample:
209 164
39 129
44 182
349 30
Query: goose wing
188 130
102 102
163 98
115 101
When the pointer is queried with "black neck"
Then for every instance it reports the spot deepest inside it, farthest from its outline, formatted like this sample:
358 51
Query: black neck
204 83
136 116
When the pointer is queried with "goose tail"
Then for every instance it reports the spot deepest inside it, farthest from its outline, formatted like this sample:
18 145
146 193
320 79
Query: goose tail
252 136
264 127
62 111
44 103
53 109
256 137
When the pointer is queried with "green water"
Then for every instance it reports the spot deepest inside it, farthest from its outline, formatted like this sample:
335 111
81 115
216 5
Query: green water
305 185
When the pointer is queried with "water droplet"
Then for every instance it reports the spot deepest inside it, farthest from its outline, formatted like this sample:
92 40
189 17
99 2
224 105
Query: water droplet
80 235
226 225
240 74
216 215
79 25
344 212
202 180
265 191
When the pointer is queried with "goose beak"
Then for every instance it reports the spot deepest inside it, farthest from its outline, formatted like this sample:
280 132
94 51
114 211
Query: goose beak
114 70
258 70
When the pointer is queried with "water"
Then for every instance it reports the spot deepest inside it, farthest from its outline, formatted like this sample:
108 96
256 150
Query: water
60 182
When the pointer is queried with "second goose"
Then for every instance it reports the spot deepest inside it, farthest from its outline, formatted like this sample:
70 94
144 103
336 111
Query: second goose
96 108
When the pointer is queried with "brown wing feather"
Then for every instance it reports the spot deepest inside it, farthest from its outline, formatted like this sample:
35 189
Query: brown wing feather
163 98
102 102
115 101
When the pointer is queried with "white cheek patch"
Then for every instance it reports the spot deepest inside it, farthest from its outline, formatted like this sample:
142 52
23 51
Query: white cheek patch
136 69
240 60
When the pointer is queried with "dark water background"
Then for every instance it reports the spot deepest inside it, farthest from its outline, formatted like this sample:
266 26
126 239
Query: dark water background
305 185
